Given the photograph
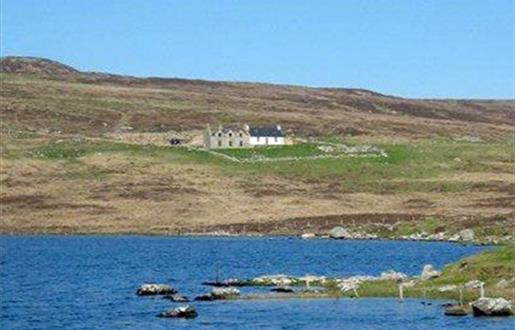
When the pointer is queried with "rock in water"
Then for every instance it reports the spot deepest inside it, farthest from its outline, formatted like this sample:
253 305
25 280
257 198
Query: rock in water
466 235
308 235
225 293
185 311
176 297
282 289
219 294
339 233
492 307
428 272
455 310
155 289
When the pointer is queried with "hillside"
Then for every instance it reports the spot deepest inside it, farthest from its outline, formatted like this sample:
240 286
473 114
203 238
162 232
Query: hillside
73 160
39 94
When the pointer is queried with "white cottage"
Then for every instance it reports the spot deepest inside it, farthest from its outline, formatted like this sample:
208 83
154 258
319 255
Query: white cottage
266 135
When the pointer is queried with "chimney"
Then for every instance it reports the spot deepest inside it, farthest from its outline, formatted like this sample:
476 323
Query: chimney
279 127
246 127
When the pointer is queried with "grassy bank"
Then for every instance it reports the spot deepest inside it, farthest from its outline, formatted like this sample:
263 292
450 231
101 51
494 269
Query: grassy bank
489 267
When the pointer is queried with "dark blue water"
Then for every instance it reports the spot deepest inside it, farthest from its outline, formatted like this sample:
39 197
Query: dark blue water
88 282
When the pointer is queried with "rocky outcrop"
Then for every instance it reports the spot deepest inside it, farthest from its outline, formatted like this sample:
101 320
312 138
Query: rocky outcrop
466 235
455 310
176 297
393 276
448 288
492 307
339 233
185 311
225 293
428 272
155 289
219 294
279 280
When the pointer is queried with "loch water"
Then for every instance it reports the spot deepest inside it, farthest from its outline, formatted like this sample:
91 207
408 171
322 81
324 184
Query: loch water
89 282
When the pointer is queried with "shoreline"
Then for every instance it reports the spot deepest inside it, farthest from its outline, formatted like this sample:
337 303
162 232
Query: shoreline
244 235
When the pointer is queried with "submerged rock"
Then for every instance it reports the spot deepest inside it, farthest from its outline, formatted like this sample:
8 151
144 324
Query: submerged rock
428 272
282 289
176 297
155 289
492 307
205 297
455 310
185 311
339 233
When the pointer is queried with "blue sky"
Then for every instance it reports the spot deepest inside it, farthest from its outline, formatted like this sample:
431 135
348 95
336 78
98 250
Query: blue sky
410 48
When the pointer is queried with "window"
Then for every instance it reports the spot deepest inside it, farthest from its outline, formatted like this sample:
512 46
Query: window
230 134
220 134
275 138
219 143
230 143
258 138
241 134
241 143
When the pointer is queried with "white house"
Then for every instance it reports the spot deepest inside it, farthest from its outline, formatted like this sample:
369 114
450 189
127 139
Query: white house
266 135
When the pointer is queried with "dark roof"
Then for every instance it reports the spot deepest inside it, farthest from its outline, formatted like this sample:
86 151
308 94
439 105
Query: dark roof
272 131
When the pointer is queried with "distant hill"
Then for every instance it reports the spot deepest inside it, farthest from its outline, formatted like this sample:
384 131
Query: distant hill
40 94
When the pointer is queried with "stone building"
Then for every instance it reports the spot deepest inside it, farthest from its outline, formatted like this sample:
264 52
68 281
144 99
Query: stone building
243 138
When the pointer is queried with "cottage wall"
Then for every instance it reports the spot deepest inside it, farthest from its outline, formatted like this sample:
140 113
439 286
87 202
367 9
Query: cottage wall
266 140
227 139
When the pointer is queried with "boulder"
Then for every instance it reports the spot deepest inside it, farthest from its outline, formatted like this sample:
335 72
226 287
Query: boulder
308 236
185 311
455 310
428 272
393 276
176 297
492 307
339 233
155 289
225 293
466 235
502 284
447 288
312 279
219 294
